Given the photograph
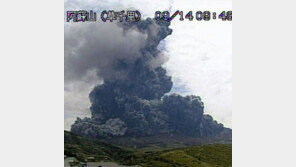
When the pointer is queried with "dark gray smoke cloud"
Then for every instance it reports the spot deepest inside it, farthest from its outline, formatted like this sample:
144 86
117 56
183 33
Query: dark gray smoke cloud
131 101
91 54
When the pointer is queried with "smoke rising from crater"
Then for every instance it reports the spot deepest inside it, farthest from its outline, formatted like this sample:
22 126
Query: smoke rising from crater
132 101
97 52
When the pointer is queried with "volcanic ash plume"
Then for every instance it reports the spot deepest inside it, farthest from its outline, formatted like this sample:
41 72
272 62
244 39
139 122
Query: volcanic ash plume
132 101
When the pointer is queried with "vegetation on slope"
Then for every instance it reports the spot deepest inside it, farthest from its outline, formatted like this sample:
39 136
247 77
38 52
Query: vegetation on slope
82 148
214 155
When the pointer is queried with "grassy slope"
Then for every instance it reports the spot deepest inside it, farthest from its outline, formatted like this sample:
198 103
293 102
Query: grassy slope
81 148
215 155
168 142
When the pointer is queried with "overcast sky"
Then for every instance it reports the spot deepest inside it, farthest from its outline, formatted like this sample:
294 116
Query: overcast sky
200 55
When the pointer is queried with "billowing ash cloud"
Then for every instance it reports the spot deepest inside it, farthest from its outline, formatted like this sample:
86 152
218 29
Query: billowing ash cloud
96 47
131 101
91 54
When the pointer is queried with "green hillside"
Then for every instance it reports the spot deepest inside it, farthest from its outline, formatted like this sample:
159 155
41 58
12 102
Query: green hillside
168 142
214 155
82 148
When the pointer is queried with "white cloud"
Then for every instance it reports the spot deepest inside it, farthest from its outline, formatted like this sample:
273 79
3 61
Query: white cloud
200 57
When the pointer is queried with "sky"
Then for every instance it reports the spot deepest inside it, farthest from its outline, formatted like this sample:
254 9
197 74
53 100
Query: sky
199 56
